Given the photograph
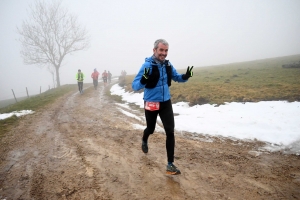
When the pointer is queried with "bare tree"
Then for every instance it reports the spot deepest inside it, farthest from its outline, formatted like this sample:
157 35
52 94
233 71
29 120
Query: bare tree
49 35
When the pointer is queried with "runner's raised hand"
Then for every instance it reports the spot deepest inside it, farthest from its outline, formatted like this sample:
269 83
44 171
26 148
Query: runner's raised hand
188 74
145 76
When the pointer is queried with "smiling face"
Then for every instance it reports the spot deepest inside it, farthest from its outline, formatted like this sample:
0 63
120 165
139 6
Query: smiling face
161 52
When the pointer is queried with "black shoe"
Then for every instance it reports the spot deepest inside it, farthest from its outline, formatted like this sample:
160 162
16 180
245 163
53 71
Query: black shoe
144 147
172 170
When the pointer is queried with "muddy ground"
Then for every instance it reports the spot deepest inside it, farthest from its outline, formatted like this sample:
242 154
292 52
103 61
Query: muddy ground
84 147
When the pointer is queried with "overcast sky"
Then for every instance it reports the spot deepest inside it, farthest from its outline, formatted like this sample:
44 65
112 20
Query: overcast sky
200 33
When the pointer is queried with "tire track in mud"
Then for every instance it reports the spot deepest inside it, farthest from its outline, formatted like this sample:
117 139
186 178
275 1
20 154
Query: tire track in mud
86 184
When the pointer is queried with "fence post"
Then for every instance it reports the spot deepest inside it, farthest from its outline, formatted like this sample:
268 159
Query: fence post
27 92
14 95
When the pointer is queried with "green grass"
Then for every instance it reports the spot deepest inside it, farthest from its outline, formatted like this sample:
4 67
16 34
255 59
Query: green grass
32 103
7 102
261 80
38 101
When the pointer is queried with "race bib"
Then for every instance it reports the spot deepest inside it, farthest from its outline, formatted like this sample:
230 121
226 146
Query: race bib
151 106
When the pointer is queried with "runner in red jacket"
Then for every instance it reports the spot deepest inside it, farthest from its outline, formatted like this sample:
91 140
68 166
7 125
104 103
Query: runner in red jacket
104 77
95 76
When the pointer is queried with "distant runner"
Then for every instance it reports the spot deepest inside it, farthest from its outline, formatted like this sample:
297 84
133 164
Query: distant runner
95 76
104 77
80 78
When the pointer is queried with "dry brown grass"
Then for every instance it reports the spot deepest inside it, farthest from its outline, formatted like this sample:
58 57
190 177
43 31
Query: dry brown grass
261 80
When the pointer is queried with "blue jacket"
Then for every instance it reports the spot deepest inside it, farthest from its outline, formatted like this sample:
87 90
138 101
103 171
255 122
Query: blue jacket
160 92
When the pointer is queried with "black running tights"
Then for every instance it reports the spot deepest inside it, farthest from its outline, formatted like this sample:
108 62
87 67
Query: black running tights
80 85
166 115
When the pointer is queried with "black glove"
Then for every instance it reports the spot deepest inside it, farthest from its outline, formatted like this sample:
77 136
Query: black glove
188 73
145 76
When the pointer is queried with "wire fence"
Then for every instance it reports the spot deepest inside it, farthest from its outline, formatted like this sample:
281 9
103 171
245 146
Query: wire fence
20 94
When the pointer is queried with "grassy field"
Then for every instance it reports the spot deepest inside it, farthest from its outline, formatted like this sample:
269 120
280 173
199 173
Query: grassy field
7 102
33 103
260 80
38 101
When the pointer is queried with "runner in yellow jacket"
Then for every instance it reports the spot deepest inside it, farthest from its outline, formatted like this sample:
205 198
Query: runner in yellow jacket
80 78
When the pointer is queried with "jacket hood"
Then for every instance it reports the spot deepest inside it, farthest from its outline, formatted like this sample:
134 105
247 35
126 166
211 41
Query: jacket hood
152 60
149 59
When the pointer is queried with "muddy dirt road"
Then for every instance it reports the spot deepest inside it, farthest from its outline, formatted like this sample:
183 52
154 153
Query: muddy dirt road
84 147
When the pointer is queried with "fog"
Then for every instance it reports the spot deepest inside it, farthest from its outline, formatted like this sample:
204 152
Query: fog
200 33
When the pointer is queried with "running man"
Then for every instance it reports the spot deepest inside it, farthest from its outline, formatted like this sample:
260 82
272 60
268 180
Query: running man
95 76
155 78
104 77
80 78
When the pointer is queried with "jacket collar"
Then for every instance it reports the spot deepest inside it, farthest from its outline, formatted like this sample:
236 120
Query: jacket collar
156 60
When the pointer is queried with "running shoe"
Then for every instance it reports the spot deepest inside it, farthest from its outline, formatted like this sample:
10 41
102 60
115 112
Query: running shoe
172 170
144 147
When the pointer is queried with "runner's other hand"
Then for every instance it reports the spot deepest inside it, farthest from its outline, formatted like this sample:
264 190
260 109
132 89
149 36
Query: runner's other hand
188 74
145 76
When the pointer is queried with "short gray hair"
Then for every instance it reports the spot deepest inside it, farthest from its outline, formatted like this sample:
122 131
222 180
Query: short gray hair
160 41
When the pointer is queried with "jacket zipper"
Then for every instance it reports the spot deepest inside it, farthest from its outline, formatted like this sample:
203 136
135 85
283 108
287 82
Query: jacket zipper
162 72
